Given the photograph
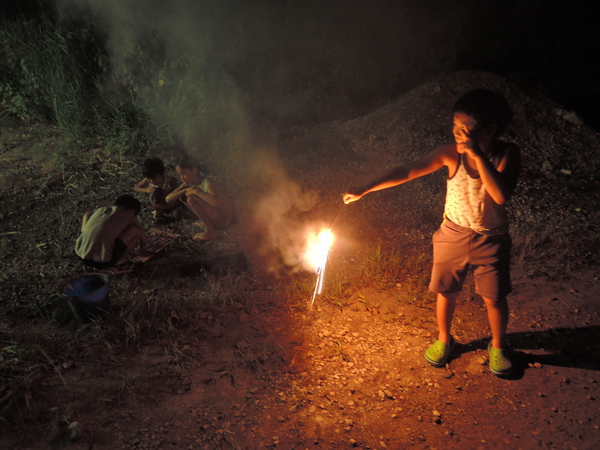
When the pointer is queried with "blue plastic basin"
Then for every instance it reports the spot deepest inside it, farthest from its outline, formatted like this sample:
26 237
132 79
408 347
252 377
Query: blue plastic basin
87 294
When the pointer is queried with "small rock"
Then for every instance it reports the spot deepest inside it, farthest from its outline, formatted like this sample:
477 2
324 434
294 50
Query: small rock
74 431
573 118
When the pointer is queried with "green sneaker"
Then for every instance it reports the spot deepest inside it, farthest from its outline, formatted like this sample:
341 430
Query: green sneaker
439 353
500 365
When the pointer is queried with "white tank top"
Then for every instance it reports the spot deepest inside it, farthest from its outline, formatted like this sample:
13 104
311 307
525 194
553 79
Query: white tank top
469 205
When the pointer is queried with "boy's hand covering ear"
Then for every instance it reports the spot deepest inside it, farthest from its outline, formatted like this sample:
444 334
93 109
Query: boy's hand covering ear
472 148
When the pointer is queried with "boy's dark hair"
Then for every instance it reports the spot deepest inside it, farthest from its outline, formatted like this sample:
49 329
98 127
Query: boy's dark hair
153 167
129 202
486 107
189 162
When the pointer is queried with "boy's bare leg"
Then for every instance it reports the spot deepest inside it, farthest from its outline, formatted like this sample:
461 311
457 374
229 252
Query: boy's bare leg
205 212
498 316
444 312
131 237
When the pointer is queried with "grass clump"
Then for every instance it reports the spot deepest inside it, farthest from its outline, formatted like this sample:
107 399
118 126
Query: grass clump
385 268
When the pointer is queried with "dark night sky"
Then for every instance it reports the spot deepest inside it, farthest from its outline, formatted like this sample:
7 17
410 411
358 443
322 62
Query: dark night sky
547 45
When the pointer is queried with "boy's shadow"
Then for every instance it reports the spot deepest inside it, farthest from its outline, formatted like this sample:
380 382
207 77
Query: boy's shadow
563 347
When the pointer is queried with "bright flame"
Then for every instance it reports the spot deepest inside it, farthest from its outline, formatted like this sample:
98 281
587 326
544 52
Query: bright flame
317 253
317 248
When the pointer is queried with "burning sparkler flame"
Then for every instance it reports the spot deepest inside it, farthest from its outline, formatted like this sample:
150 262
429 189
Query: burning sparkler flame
317 253
318 247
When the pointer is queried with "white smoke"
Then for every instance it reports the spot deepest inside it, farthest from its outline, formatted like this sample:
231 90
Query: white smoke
279 221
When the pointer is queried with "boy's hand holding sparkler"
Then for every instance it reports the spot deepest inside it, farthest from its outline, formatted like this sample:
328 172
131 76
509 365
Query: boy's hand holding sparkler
353 194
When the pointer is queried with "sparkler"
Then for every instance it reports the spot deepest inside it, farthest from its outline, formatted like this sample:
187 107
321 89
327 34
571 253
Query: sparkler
317 254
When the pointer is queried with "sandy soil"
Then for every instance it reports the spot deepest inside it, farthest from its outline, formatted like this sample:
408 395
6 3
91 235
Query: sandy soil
263 370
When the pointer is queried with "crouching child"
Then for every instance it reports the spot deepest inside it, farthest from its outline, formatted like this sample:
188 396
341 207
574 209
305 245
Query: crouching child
110 234
158 185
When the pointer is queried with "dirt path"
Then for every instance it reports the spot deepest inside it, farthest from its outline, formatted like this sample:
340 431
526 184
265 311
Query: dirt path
355 376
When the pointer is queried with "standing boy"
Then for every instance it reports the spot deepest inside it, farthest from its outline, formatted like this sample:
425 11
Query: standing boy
110 234
482 175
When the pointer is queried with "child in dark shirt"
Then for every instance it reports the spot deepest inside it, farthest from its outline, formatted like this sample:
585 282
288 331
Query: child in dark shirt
158 184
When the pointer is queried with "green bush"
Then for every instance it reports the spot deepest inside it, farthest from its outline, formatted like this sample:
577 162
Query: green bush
61 73
41 76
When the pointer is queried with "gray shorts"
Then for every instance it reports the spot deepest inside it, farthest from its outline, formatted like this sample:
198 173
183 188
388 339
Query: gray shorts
455 249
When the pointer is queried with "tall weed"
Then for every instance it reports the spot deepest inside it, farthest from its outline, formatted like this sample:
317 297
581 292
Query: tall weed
42 75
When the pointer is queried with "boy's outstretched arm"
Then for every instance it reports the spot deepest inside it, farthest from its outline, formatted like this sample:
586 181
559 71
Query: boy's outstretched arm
144 187
177 193
438 158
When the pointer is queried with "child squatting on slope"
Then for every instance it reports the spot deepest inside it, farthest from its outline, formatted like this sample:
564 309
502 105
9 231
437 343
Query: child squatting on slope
482 175
204 197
